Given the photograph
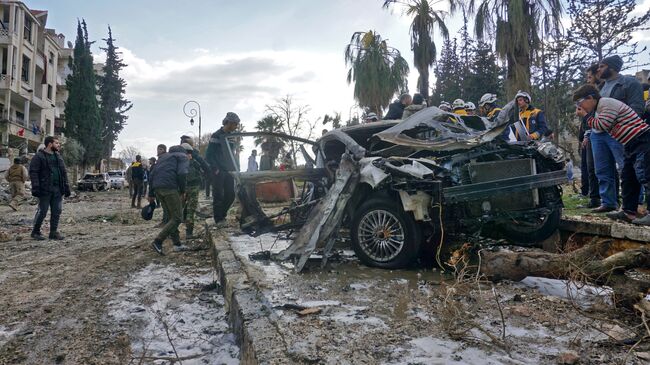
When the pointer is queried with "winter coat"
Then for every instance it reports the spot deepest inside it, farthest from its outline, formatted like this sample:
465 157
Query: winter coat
395 111
412 109
218 154
137 171
170 171
17 173
626 89
40 173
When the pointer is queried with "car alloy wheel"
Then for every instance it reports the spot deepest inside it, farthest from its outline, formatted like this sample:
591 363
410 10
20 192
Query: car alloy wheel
380 235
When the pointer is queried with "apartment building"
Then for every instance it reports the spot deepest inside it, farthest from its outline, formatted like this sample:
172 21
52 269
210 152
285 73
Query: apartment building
34 66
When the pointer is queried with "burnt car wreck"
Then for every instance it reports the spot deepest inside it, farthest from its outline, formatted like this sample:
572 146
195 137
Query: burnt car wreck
399 187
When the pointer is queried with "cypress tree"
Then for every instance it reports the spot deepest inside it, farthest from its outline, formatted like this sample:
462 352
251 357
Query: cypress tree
448 74
113 104
81 109
484 74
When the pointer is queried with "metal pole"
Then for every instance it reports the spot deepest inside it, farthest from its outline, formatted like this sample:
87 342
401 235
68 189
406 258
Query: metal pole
191 112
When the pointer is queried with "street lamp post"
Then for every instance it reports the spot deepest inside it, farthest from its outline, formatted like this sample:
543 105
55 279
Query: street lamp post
192 109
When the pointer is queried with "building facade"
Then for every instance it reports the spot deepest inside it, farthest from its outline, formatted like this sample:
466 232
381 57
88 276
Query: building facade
34 66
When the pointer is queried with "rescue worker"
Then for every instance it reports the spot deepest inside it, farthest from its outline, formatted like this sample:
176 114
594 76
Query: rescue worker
370 118
16 176
532 118
458 107
487 106
445 106
470 108
168 182
137 180
219 156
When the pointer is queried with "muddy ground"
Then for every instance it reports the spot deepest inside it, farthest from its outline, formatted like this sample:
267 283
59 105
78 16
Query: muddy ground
103 296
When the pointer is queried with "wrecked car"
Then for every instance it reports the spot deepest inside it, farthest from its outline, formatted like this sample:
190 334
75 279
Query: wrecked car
399 187
94 182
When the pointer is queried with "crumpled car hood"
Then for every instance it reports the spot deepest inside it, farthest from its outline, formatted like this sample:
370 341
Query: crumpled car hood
436 130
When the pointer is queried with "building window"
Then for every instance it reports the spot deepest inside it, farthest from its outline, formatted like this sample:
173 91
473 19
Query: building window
20 116
27 34
51 60
49 92
25 71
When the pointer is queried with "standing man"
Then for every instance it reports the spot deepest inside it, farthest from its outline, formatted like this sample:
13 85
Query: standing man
396 108
49 184
137 179
168 183
222 163
615 118
17 175
252 162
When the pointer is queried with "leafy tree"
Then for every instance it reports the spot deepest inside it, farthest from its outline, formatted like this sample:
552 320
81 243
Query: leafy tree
335 119
270 124
425 20
377 70
113 104
448 72
605 28
517 27
83 121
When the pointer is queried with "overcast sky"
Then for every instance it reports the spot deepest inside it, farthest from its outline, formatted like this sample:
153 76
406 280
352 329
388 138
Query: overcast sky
228 55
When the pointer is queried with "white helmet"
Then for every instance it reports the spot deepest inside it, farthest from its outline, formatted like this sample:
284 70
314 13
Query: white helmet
445 106
470 106
487 99
524 95
458 104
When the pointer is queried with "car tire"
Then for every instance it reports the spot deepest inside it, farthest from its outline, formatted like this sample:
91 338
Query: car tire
378 250
533 234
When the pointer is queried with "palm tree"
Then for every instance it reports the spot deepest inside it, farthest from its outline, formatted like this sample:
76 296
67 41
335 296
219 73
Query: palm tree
425 19
518 27
378 71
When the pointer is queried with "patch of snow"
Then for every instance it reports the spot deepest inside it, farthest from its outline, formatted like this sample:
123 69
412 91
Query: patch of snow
359 286
319 303
350 314
583 295
6 335
160 298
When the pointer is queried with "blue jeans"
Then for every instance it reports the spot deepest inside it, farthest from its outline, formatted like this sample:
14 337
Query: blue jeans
608 161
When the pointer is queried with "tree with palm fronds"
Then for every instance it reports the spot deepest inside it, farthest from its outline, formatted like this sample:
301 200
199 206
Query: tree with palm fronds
378 71
518 28
425 19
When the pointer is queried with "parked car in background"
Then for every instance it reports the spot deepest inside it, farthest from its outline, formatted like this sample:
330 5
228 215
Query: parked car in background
117 179
94 182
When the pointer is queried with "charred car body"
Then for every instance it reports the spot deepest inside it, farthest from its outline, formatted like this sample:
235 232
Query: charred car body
399 186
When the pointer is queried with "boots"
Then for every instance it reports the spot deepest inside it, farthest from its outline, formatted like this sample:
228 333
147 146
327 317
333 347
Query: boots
139 203
189 231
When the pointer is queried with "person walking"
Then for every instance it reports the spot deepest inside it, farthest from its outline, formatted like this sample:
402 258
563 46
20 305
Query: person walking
168 183
252 162
197 172
137 179
219 156
49 184
16 176
617 119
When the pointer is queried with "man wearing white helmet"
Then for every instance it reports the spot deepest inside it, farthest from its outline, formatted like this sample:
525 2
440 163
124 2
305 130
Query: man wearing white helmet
531 117
487 106
445 106
470 108
459 107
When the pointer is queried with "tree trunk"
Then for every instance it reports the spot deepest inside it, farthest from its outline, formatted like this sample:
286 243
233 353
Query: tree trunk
423 82
589 264
518 74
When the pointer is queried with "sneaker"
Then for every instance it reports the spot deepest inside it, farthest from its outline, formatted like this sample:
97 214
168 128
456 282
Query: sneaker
56 236
621 215
644 221
603 209
180 247
38 236
157 246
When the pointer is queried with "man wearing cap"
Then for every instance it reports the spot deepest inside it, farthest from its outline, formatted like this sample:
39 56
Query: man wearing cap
487 106
445 106
459 107
168 182
532 118
370 118
222 162
626 89
611 116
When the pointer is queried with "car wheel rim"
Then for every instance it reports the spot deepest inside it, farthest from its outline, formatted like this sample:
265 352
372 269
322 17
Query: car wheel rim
380 235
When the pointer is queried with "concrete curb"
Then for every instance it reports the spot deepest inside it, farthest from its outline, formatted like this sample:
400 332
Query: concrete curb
605 228
250 313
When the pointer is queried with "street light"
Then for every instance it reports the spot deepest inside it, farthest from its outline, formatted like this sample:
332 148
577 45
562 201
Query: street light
193 109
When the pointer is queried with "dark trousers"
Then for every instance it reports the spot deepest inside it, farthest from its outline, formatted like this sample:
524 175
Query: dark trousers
223 194
170 200
138 191
52 200
591 173
636 149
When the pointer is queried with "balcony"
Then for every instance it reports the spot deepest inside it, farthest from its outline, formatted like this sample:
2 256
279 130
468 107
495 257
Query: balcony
5 36
5 81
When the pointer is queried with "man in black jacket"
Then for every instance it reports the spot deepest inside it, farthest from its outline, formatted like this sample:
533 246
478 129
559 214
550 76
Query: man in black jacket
137 179
396 109
167 183
49 185
219 156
